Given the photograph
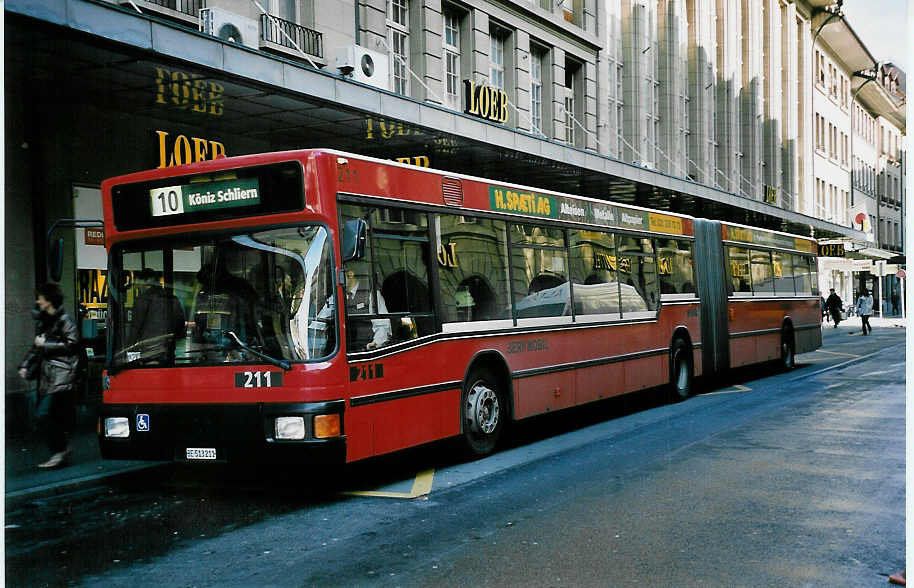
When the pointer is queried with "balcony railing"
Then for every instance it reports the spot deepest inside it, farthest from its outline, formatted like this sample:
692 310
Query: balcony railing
189 7
279 31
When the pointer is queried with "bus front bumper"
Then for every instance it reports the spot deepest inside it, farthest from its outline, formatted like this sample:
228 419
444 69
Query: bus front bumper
200 433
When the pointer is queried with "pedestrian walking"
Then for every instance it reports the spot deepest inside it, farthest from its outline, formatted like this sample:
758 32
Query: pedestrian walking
834 305
54 360
865 309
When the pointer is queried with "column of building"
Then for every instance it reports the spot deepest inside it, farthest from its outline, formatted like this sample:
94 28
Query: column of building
729 85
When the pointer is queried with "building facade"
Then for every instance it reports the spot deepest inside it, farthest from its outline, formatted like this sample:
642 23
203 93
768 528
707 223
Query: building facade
709 107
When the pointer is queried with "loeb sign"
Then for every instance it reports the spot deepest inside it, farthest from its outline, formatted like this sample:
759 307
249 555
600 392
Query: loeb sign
485 102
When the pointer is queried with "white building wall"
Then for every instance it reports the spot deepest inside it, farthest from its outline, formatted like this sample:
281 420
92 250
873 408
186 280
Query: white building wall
831 170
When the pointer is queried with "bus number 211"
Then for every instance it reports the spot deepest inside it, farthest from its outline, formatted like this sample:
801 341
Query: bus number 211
258 379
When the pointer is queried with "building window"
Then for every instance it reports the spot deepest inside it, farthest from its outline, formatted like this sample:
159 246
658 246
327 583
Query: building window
537 56
497 58
569 112
451 58
398 38
620 111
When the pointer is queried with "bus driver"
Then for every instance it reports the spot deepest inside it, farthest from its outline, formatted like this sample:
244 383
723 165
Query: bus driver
360 302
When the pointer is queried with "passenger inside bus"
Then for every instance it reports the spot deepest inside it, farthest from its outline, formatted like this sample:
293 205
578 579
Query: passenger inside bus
224 302
364 333
158 318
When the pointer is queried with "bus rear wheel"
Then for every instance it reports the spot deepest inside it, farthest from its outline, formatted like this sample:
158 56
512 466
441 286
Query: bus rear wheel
681 372
483 411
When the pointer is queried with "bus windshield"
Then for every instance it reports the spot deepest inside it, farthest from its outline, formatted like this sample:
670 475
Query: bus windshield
184 302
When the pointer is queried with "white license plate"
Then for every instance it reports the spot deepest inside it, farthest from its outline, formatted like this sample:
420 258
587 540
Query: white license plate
201 453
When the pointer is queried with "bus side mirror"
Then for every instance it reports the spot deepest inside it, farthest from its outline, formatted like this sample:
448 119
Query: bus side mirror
55 259
355 235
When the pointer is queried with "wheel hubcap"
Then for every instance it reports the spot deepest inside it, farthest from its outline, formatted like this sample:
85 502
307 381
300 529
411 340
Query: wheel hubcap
482 409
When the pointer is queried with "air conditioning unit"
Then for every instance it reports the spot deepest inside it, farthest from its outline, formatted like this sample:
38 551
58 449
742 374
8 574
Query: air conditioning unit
229 26
367 67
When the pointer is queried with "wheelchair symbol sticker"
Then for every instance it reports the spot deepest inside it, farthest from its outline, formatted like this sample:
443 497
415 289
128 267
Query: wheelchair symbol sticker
142 422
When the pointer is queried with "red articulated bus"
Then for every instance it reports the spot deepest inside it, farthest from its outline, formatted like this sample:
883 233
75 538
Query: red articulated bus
320 306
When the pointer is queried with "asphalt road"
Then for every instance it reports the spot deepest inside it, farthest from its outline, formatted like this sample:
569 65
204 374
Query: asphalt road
790 479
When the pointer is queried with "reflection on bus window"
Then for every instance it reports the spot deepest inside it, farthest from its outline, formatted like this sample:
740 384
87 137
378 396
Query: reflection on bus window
593 272
674 266
782 264
801 274
762 272
738 258
638 268
539 269
472 268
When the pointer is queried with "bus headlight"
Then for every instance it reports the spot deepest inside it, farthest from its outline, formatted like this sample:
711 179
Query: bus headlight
117 427
290 427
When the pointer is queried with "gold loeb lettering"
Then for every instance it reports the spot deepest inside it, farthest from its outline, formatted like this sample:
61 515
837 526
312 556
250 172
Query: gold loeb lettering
486 102
181 152
183 90
418 160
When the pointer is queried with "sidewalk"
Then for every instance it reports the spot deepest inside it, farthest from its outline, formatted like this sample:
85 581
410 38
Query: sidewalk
853 326
24 481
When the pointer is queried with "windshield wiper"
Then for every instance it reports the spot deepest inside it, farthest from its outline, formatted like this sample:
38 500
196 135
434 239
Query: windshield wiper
277 362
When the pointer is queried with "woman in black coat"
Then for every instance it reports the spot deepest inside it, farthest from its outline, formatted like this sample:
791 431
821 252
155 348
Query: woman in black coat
54 360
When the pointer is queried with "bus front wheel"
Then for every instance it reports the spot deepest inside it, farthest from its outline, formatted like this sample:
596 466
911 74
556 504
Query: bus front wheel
483 410
680 371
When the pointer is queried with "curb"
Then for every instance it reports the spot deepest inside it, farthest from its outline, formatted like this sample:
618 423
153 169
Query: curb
19 498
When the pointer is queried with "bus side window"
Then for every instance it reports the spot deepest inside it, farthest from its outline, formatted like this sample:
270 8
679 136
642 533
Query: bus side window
762 272
539 267
400 246
783 273
639 287
472 257
738 259
593 272
801 275
674 266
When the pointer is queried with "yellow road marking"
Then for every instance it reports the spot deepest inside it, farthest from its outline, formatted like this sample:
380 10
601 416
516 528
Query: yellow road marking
730 390
422 486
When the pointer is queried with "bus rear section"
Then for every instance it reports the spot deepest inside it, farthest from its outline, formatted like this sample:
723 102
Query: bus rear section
760 296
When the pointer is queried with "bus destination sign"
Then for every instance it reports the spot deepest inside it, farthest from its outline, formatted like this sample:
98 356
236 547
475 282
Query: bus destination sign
204 196
608 215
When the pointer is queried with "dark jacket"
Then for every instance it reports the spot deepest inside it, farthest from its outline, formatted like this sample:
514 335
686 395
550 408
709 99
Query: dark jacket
156 313
833 303
56 362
